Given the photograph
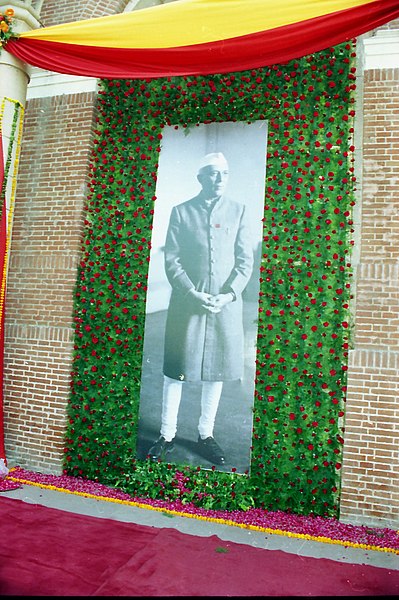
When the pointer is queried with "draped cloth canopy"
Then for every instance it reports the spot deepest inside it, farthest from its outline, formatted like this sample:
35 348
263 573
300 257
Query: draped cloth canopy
199 37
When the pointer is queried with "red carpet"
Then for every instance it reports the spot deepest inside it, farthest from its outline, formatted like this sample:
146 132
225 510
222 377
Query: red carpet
50 552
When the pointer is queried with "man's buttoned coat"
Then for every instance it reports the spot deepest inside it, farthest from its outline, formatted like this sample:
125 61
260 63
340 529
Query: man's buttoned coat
210 250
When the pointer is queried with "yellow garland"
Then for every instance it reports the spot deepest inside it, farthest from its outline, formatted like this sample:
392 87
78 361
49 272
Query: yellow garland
304 536
17 106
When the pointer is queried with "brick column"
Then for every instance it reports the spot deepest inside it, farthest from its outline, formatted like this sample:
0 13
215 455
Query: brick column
14 80
370 477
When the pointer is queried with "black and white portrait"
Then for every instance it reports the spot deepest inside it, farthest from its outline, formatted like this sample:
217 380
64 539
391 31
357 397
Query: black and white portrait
198 369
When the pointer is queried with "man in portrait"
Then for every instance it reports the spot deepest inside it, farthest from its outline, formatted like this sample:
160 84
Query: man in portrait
208 263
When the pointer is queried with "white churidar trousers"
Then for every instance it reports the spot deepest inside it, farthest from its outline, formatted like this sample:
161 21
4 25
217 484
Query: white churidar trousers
172 393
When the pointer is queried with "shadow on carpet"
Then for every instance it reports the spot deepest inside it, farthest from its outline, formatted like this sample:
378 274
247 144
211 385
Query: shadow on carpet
50 552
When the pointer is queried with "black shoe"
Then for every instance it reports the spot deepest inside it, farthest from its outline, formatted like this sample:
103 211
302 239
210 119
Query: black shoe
160 449
211 450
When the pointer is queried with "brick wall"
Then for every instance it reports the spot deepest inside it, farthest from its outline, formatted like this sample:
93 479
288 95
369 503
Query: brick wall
55 12
370 484
42 273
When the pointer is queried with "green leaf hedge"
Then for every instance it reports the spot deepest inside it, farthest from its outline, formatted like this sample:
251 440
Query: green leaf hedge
304 302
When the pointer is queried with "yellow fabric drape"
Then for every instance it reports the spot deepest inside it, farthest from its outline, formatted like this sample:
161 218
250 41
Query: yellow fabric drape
188 22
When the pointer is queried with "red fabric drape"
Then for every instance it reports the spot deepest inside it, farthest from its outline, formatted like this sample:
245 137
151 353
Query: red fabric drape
273 46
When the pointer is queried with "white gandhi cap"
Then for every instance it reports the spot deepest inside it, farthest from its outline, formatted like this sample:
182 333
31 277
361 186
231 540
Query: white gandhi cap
214 159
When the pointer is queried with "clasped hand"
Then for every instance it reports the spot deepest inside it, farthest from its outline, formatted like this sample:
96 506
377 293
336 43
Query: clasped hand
213 304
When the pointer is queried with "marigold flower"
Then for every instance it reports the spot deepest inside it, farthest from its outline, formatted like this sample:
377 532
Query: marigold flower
3 26
9 12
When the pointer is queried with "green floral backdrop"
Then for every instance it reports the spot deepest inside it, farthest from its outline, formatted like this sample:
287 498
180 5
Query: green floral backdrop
304 302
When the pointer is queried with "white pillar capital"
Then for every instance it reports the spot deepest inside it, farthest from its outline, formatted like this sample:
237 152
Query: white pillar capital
14 77
25 15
